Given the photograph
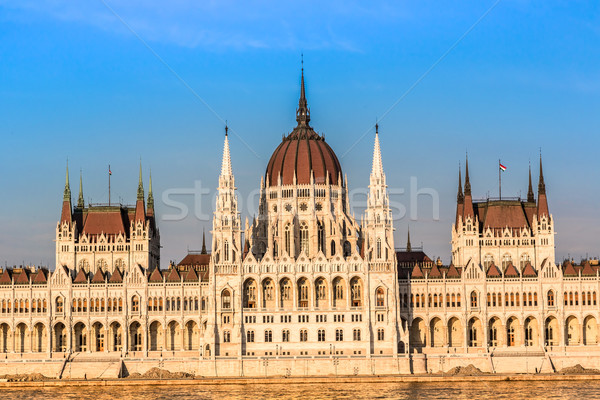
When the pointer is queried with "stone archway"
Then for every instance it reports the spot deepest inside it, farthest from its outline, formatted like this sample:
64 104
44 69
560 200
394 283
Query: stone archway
437 335
80 337
455 333
495 332
156 336
551 331
173 336
40 338
572 331
60 337
418 329
532 332
475 332
191 335
590 331
116 337
4 338
21 338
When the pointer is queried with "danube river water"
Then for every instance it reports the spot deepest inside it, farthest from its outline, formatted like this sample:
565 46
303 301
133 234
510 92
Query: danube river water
579 390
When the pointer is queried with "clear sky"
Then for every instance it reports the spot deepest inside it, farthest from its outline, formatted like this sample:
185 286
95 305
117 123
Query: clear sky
77 83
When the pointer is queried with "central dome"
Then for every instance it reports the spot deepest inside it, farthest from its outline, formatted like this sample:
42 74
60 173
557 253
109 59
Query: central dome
301 152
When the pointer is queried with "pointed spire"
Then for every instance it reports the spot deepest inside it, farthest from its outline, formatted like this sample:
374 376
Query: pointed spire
467 181
542 199
140 191
460 198
67 192
541 184
203 242
303 112
150 195
226 165
66 213
377 163
80 201
530 195
408 246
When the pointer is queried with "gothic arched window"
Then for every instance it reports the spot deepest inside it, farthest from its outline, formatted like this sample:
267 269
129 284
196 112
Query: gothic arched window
304 238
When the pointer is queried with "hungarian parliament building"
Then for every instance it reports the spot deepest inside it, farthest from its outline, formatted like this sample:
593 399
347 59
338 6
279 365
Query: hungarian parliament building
304 288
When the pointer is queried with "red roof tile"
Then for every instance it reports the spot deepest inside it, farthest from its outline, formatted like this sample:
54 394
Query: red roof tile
452 272
21 278
98 277
155 276
587 269
417 272
493 271
116 277
107 220
195 259
41 277
511 271
528 271
191 276
569 270
173 276
81 277
5 277
435 273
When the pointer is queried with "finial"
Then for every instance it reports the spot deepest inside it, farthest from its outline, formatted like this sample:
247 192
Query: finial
302 113
541 184
376 128
467 181
140 191
408 246
80 201
203 242
150 194
226 128
459 197
67 192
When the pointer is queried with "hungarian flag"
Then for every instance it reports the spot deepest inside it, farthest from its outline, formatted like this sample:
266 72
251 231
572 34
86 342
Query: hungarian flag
109 171
502 167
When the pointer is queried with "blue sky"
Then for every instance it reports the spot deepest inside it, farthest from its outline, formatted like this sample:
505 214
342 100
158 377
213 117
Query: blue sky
76 83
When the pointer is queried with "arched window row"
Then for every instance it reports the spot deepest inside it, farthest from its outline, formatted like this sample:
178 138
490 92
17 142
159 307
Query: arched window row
588 298
94 305
23 306
317 293
435 300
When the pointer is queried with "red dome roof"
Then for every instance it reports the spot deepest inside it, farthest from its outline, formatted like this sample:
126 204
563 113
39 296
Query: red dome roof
303 151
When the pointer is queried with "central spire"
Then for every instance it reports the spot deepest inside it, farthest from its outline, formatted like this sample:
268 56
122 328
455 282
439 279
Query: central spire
226 164
377 163
303 112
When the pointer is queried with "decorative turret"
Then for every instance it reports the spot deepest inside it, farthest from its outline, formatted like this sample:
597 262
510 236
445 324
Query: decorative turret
140 213
460 199
203 251
408 246
530 195
468 208
66 214
542 200
80 201
150 207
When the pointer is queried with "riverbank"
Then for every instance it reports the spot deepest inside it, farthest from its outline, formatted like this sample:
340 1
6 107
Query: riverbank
429 378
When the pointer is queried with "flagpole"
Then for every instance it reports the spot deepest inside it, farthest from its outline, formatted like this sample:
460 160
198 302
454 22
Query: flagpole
109 185
499 179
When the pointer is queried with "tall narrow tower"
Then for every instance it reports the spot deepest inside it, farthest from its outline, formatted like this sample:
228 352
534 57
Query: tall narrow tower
224 334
